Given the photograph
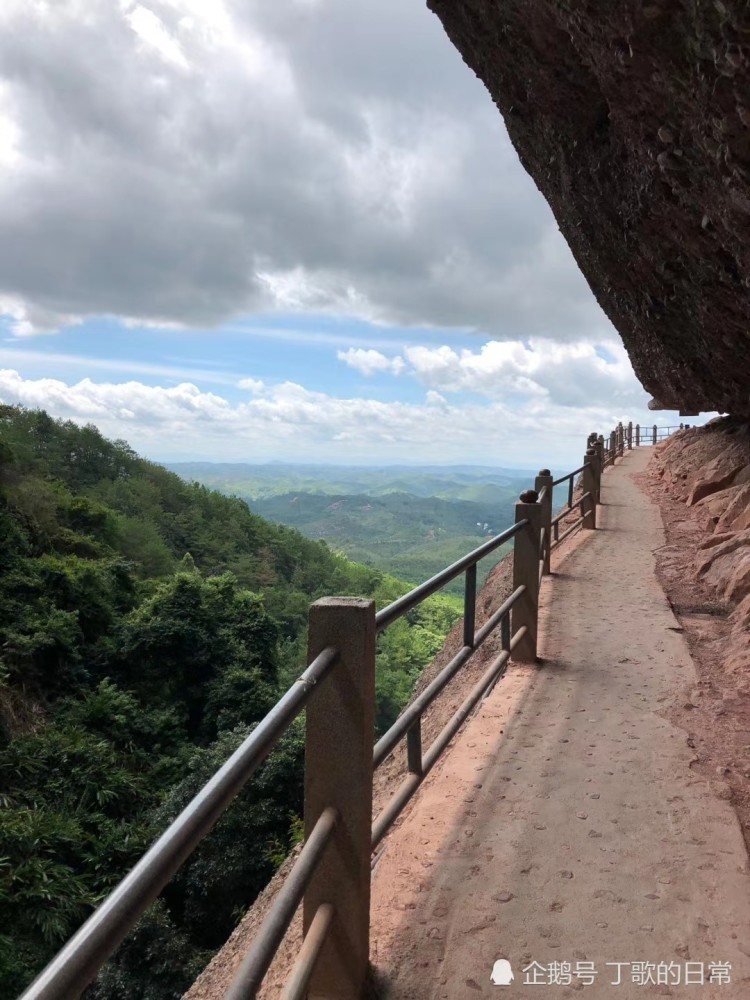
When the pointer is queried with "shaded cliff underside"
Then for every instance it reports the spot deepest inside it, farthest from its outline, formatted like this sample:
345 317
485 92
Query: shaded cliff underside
633 119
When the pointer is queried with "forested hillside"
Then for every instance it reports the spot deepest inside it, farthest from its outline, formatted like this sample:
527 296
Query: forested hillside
410 521
412 536
145 625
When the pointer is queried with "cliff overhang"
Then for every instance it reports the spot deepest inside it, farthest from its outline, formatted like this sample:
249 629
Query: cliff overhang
632 118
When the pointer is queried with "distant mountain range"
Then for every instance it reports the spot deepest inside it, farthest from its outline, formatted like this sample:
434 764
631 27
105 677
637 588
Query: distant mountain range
459 482
408 521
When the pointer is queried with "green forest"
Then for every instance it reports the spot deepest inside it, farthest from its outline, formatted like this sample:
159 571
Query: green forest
478 483
410 522
146 625
413 537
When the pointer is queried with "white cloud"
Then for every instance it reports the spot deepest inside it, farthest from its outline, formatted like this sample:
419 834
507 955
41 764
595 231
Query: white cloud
152 31
290 422
187 161
251 384
573 374
367 362
10 356
435 399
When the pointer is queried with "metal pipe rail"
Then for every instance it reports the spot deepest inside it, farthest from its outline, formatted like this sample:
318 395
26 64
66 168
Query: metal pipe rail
402 605
256 963
420 767
77 963
569 475
342 678
639 436
565 512
302 970
472 641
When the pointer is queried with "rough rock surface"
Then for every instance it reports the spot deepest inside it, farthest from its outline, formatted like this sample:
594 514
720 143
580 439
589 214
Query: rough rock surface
712 464
703 569
632 118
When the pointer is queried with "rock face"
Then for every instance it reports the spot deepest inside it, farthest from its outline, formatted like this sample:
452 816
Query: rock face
633 118
709 469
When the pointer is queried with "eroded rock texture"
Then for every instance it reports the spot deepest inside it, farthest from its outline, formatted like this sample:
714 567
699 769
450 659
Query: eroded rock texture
633 119
708 468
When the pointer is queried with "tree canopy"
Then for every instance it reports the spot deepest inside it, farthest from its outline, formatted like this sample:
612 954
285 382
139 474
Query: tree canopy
146 625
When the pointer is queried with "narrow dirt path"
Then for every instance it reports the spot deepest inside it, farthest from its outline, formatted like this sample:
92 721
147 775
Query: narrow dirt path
566 825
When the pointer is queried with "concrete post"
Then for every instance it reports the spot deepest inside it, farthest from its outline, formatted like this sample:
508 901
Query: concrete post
545 479
637 435
338 773
589 486
621 436
526 572
630 435
593 451
602 460
655 429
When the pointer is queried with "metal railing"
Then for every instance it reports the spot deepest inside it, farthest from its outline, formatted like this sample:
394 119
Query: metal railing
331 874
580 502
628 437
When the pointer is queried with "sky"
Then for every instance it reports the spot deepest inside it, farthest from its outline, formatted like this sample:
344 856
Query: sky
237 230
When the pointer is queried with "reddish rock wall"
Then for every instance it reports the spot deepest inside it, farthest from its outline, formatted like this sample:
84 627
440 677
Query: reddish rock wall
709 470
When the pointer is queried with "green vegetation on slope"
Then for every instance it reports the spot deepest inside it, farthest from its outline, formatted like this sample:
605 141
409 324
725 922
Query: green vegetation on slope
146 625
411 522
413 537
457 482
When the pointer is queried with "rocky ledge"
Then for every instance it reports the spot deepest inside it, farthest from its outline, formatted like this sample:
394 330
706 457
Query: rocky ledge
633 118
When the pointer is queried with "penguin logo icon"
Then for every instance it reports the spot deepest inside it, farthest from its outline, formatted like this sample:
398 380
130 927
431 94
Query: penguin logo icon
502 974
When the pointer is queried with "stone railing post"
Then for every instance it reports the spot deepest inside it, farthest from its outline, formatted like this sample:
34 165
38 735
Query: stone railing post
630 435
600 448
338 772
621 435
597 470
637 435
545 479
602 458
655 430
589 486
525 611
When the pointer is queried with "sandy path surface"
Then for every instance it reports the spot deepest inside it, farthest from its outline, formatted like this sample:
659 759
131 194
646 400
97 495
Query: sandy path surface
566 824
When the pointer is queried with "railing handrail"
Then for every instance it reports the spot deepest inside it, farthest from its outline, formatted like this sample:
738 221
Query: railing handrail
77 963
568 475
402 605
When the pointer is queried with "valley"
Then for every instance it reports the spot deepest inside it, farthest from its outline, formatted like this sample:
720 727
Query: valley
410 522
